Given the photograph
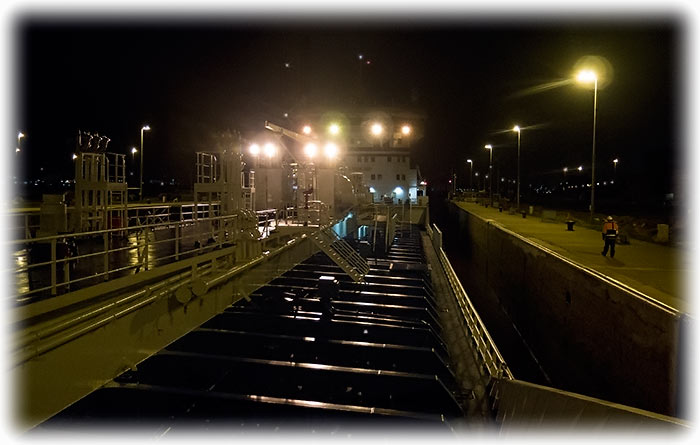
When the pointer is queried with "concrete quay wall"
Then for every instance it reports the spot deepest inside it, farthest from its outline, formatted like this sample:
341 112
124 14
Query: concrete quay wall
590 335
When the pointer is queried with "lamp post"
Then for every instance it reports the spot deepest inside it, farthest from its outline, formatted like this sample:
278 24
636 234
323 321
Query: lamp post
144 128
517 187
489 147
471 165
588 76
615 161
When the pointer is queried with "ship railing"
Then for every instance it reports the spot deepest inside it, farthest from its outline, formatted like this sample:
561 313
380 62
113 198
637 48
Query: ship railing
486 352
52 265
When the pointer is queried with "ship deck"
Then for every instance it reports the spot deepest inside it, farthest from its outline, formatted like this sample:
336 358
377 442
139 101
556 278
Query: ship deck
287 358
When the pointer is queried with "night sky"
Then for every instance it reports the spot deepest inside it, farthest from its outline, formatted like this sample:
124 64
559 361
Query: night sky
473 79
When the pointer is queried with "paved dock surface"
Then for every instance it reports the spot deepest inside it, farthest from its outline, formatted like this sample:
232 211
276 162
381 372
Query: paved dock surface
661 272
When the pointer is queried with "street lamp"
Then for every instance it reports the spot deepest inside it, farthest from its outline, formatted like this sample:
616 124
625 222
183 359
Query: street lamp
471 165
615 161
144 128
489 147
517 188
588 76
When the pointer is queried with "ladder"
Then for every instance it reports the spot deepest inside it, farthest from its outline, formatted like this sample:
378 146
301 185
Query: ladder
341 253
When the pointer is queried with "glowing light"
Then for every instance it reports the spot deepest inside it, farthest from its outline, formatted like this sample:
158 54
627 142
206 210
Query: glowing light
516 128
330 150
20 135
580 168
616 160
146 128
334 128
269 149
488 147
586 76
377 129
398 191
372 190
254 149
406 130
310 150
566 169
75 156
133 150
306 129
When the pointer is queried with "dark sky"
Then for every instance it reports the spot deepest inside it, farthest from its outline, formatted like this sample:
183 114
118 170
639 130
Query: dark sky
187 79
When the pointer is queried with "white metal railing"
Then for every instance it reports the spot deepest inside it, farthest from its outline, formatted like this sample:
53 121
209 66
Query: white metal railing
341 253
491 359
51 265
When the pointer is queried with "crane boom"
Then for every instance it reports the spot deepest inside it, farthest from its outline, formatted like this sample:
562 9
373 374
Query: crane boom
289 133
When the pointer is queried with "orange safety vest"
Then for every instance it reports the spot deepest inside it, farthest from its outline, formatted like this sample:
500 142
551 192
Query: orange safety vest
610 228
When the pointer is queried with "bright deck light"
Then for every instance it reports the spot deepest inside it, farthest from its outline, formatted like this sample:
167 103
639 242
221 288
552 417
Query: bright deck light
377 129
306 129
406 130
310 149
334 128
269 149
254 149
330 150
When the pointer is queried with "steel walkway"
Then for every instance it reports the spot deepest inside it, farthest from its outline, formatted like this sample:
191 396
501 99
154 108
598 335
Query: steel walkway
289 358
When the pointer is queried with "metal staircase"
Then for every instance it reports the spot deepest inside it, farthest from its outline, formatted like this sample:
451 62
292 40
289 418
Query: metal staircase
341 253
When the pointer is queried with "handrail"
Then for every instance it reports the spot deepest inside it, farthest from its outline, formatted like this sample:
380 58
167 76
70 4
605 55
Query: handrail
55 264
487 352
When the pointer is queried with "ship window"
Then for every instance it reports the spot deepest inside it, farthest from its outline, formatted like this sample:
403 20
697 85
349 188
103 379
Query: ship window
388 158
403 177
379 176
398 177
372 176
372 158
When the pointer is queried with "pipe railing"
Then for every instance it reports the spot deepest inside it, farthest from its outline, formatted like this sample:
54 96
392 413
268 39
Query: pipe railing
487 352
40 261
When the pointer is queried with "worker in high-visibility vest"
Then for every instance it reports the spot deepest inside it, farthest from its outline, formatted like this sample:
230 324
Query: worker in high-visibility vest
609 236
